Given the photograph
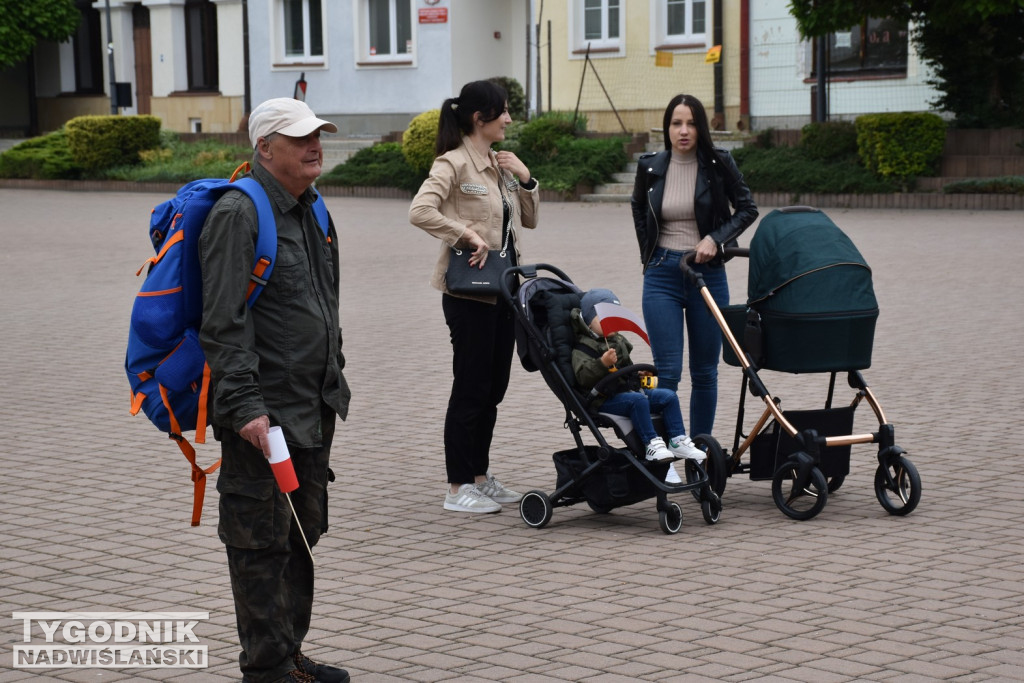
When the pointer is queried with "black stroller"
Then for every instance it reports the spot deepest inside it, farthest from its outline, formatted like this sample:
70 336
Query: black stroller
810 308
600 475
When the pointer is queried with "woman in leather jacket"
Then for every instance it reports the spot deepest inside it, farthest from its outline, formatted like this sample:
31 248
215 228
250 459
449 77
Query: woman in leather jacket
688 198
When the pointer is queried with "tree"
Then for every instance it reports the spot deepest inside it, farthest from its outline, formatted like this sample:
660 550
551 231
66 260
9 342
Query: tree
976 49
23 24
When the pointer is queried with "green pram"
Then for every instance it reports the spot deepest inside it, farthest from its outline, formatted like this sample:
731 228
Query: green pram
810 308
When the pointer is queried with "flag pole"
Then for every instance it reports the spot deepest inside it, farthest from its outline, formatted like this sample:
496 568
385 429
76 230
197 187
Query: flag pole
303 533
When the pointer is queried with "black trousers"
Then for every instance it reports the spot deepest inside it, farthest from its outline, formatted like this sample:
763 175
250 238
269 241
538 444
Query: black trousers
483 339
271 572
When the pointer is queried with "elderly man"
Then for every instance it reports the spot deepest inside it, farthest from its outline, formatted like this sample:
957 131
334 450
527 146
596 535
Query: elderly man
276 363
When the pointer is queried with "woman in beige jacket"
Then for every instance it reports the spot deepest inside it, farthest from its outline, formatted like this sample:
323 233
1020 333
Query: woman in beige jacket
471 193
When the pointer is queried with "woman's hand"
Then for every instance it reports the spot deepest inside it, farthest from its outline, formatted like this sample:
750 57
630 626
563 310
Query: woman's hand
707 250
471 240
510 162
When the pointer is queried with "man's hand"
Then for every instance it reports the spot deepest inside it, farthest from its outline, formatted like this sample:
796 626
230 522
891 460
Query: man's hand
257 433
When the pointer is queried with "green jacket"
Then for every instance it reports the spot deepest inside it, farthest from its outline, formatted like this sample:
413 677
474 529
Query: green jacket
587 366
282 357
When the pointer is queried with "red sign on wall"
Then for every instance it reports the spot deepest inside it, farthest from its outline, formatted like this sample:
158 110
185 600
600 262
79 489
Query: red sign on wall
433 15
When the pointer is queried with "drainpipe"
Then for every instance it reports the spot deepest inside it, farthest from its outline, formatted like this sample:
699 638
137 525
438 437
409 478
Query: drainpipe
247 93
744 121
110 63
718 121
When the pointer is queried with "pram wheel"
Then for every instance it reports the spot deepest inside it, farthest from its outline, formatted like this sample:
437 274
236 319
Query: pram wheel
535 508
898 486
599 509
835 482
798 495
716 464
711 506
671 519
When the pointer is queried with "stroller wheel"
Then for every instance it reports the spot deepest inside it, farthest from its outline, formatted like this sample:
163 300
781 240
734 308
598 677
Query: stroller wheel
798 494
711 507
898 486
671 519
535 509
599 509
716 465
835 482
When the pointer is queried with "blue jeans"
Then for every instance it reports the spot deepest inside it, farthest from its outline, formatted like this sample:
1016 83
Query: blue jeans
638 406
672 305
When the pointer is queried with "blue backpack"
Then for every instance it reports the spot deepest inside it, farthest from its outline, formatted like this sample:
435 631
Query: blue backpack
166 367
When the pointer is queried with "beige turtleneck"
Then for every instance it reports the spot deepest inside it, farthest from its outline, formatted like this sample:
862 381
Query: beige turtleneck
679 230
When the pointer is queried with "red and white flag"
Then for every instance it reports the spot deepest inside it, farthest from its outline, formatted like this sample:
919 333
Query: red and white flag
615 318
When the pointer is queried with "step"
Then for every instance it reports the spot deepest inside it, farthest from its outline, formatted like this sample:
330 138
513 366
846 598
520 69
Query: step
625 177
338 150
614 188
605 198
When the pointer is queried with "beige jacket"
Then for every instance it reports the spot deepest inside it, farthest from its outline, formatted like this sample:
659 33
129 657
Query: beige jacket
462 192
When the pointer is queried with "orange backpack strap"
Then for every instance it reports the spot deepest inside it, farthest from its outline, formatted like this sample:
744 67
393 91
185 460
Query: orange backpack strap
198 473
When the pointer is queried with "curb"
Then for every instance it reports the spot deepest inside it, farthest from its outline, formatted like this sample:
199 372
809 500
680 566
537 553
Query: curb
909 200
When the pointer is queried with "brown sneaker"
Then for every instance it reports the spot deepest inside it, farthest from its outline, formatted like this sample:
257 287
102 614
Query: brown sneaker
321 673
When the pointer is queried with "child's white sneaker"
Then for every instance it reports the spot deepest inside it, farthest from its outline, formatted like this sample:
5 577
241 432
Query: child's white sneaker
682 447
657 452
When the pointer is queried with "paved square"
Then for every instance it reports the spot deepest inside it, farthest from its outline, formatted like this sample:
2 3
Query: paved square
96 504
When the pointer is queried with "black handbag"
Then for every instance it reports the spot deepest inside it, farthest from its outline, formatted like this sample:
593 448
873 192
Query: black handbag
462 278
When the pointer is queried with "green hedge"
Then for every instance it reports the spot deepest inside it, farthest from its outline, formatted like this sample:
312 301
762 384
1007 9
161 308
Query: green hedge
419 141
382 165
901 145
46 158
98 142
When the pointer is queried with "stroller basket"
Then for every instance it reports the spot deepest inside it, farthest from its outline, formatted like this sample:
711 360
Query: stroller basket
617 482
773 446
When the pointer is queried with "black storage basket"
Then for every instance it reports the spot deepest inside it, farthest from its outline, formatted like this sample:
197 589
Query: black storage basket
616 482
773 446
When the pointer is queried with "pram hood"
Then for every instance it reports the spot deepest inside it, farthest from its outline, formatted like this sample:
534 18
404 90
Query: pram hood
801 262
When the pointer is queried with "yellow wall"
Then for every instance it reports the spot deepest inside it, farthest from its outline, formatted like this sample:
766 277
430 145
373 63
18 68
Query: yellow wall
218 114
54 112
637 87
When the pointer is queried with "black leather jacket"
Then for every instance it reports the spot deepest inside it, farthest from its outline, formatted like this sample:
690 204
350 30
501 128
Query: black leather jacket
719 185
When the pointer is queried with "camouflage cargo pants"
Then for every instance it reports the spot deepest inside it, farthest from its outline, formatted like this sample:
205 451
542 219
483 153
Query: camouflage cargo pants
271 572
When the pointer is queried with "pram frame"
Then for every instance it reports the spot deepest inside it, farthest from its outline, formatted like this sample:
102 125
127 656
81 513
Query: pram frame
536 507
895 474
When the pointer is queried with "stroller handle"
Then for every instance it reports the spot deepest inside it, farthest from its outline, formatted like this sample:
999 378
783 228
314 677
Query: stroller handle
686 263
508 277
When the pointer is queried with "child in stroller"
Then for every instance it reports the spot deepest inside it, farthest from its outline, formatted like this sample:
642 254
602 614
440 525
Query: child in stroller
597 354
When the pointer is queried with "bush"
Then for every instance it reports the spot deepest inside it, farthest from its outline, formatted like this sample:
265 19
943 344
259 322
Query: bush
539 139
516 96
580 160
99 142
178 162
1003 185
901 145
47 157
829 139
382 165
788 169
419 141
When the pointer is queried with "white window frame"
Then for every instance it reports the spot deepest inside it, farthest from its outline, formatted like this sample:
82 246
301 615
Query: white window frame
281 57
362 43
688 40
599 47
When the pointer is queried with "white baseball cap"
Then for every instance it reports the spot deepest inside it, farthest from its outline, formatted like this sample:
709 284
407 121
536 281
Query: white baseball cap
286 116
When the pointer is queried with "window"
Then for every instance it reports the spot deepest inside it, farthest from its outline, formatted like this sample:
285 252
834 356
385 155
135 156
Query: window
875 47
681 23
201 44
388 31
302 26
88 50
598 25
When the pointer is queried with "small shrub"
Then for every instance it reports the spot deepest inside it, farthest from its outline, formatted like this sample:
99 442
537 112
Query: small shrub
382 165
901 145
829 139
99 142
180 162
581 161
787 169
539 139
419 141
46 158
1003 185
516 96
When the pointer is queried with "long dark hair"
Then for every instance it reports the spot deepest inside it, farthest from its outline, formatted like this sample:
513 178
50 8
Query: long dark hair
704 145
485 97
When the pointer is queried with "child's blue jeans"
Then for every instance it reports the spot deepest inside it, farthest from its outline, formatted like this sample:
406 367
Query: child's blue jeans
638 406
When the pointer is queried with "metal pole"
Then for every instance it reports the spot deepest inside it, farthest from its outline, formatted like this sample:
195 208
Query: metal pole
110 63
820 102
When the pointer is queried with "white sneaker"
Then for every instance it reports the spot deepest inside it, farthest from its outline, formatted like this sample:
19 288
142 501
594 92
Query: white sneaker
656 451
469 499
493 489
682 447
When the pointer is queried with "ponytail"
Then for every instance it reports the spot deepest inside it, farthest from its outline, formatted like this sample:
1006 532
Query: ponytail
486 97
